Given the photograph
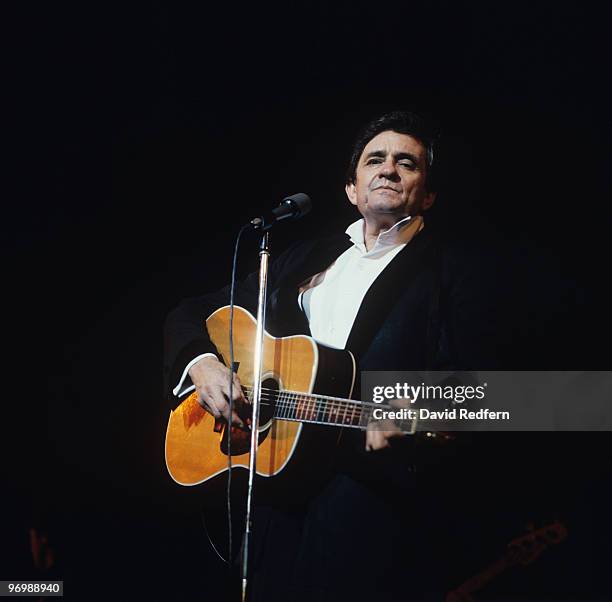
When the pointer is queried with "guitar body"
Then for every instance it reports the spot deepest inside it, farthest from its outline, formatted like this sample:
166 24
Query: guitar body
196 445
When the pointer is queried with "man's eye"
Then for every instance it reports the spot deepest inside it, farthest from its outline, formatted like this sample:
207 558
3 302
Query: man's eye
373 160
408 164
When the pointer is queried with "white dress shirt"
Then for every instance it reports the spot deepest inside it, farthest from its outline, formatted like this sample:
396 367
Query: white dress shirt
332 298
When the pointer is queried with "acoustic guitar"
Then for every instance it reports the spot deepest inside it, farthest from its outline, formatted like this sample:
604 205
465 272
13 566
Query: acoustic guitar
303 382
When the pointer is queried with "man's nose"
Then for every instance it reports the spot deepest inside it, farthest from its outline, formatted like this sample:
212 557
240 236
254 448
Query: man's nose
388 170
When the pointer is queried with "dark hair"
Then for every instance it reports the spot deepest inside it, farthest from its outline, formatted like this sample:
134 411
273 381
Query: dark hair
402 122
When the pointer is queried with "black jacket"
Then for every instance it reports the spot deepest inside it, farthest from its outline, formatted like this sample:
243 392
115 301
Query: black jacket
430 308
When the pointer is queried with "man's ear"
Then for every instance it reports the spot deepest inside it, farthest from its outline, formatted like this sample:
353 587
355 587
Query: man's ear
429 200
351 193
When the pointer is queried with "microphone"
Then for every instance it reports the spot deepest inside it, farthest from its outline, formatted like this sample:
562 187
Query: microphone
291 208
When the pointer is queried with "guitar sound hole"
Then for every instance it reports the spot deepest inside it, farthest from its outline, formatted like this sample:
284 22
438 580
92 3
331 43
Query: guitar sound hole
269 393
241 440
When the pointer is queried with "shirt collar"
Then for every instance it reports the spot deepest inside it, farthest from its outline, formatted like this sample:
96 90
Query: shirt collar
400 233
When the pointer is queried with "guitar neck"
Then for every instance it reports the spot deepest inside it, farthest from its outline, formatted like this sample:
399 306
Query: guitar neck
325 410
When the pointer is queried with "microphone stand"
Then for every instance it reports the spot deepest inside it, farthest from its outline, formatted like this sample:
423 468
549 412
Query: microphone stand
292 207
264 256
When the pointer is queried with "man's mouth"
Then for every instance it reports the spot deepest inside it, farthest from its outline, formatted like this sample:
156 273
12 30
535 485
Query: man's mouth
386 188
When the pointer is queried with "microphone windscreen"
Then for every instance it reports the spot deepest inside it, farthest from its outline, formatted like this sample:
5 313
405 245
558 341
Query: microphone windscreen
301 201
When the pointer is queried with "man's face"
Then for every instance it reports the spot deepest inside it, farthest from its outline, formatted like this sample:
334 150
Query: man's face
390 178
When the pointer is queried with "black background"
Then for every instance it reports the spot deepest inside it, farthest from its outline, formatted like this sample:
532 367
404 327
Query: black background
145 135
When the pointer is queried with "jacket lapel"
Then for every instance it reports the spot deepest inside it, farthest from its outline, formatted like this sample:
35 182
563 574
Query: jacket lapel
286 317
386 290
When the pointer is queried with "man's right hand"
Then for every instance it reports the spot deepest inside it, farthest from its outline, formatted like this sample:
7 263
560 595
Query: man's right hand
211 380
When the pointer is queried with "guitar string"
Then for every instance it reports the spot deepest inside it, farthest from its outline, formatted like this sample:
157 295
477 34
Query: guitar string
291 411
289 407
289 402
303 414
316 408
317 396
292 397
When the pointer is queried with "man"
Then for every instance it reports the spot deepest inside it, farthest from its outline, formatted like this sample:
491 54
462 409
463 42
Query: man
392 294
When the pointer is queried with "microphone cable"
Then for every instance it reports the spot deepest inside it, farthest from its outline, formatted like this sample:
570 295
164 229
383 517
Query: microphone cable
231 395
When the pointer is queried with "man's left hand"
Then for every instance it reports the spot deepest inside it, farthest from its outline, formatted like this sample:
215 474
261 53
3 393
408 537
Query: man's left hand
379 433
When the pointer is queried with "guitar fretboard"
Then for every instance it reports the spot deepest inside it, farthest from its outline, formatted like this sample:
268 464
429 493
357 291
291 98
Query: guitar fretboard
323 409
